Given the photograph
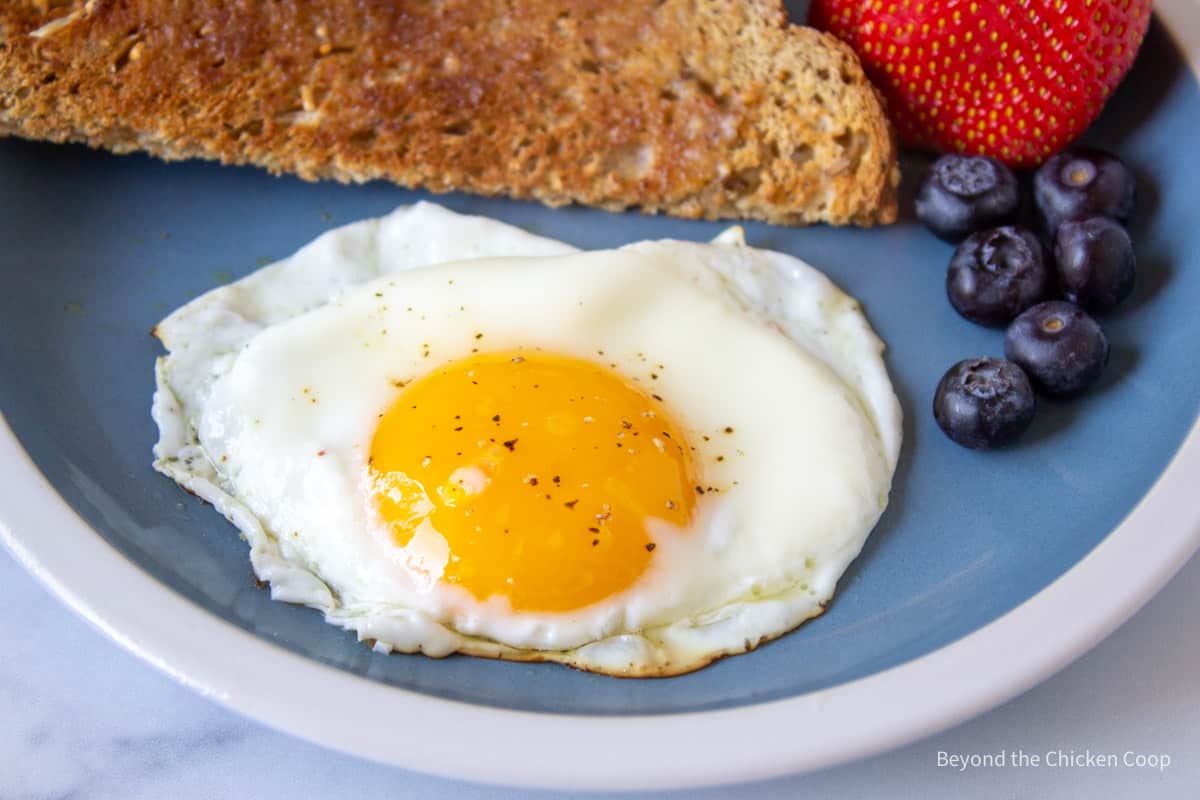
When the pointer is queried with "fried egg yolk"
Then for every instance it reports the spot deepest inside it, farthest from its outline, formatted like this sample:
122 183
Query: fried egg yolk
530 476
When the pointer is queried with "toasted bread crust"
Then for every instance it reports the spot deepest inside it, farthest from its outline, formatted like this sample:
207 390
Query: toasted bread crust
698 108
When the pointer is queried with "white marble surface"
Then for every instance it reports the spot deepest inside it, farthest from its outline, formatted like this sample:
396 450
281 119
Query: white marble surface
81 718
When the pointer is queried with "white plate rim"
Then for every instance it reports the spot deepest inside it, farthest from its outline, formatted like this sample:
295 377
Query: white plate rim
858 719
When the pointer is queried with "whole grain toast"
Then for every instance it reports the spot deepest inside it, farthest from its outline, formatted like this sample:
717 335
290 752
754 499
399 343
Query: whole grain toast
698 108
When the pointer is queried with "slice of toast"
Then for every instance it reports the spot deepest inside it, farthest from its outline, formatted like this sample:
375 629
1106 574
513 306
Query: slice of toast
698 108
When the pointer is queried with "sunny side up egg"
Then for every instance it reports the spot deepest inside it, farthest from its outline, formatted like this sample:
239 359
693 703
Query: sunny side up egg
450 435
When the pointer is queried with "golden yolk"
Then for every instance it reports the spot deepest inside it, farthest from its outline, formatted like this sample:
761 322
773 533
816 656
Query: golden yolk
539 472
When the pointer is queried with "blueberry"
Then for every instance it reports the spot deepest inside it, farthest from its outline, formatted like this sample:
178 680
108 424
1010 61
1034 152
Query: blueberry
1082 183
962 194
1062 349
1096 264
996 274
983 403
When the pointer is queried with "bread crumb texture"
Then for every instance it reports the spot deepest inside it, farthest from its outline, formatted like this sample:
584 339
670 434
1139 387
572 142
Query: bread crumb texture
716 109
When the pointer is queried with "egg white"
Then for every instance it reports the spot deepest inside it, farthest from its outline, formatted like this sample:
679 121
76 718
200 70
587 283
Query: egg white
268 398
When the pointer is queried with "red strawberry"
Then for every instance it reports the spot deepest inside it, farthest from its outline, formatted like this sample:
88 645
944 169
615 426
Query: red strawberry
1017 80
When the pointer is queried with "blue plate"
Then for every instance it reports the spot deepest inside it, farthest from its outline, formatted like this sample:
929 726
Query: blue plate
98 248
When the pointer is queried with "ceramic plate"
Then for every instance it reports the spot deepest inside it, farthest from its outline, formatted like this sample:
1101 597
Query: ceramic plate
987 573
